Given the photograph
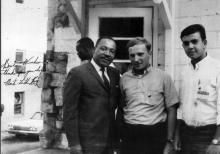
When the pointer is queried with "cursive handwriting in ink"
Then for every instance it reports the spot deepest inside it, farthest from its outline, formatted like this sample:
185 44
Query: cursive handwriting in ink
39 69
10 82
29 81
31 61
8 71
34 81
28 77
7 64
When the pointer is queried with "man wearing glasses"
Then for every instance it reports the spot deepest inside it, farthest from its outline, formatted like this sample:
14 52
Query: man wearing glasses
199 112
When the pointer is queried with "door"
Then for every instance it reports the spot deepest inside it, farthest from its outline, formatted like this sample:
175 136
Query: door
122 24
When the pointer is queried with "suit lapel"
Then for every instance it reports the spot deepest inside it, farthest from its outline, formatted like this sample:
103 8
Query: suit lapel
96 75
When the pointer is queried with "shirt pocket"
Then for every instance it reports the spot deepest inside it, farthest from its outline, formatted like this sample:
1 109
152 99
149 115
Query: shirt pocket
154 97
203 90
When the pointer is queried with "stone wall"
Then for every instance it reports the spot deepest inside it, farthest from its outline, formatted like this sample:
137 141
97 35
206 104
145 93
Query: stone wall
60 57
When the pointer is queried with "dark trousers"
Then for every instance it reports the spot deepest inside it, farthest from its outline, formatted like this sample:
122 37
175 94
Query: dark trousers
106 151
99 150
143 139
195 140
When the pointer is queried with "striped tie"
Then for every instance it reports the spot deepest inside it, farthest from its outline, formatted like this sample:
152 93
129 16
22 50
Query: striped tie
106 82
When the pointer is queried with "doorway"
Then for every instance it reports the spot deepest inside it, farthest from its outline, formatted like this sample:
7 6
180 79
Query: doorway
122 24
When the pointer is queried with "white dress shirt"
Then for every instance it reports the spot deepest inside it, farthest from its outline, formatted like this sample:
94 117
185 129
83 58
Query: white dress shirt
98 69
200 93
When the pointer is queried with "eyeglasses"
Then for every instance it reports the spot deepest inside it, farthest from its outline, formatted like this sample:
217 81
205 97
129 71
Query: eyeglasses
194 41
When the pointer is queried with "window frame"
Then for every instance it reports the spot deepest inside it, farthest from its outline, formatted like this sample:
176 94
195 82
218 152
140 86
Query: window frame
125 12
21 104
19 66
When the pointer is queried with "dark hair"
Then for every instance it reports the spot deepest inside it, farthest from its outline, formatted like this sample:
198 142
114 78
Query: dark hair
104 37
193 29
139 40
85 48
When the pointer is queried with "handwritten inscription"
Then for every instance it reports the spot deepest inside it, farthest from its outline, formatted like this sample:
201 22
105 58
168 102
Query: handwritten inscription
21 73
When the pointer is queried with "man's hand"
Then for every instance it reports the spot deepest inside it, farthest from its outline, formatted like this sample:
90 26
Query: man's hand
76 149
213 149
169 149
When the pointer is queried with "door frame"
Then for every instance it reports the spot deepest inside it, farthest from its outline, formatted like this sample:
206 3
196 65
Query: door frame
147 12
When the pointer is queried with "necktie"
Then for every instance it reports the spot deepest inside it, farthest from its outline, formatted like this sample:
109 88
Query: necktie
106 82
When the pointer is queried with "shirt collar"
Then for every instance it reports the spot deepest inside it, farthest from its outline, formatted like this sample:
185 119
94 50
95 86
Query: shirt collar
97 67
200 63
131 73
84 62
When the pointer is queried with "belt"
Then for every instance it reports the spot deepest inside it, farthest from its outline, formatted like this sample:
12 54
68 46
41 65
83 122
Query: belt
150 126
210 126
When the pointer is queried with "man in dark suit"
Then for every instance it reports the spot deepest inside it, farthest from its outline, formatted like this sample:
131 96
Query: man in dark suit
91 95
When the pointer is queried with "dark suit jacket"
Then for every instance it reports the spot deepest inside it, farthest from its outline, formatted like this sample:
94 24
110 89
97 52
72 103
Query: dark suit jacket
89 108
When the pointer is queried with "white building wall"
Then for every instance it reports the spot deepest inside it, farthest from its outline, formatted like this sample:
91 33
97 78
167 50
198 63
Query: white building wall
205 12
23 27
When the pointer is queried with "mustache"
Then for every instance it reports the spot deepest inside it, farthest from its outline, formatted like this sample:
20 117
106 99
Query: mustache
191 50
106 57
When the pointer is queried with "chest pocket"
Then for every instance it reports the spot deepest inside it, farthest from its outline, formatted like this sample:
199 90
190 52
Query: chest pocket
207 90
154 97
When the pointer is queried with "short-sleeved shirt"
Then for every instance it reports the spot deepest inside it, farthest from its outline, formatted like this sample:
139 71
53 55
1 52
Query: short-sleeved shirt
146 97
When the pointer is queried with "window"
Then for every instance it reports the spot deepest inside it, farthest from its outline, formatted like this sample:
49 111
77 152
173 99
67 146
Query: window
20 1
19 68
19 58
122 24
19 103
122 29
